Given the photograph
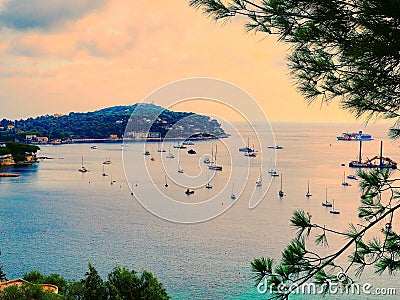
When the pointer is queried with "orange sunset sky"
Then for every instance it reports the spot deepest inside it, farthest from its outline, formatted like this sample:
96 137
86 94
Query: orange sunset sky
61 56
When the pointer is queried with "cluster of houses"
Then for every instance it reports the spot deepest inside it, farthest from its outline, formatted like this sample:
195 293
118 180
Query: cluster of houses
34 139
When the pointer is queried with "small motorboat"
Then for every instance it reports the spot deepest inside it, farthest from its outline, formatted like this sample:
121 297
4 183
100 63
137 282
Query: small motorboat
353 177
191 151
275 147
83 170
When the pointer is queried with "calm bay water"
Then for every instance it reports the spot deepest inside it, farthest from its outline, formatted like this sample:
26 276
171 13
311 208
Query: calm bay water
56 220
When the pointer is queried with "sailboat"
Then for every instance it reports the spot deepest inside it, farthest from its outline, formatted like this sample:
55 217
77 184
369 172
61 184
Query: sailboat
233 196
247 148
146 152
107 162
308 190
281 194
333 210
180 170
104 173
160 149
211 161
213 165
344 183
83 169
326 203
170 155
252 153
259 181
208 185
166 183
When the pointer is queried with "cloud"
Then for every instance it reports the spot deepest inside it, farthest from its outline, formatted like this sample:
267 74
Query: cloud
37 14
36 45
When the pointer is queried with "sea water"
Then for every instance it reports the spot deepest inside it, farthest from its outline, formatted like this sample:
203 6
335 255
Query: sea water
55 219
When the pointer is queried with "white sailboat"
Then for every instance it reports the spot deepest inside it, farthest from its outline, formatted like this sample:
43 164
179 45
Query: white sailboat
213 165
344 183
281 194
146 152
259 181
170 155
333 210
326 203
160 149
208 185
166 183
180 170
308 194
112 181
104 173
83 169
247 148
233 196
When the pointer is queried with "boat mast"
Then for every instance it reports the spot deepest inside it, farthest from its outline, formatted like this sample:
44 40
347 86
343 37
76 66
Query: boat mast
359 154
326 195
380 158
